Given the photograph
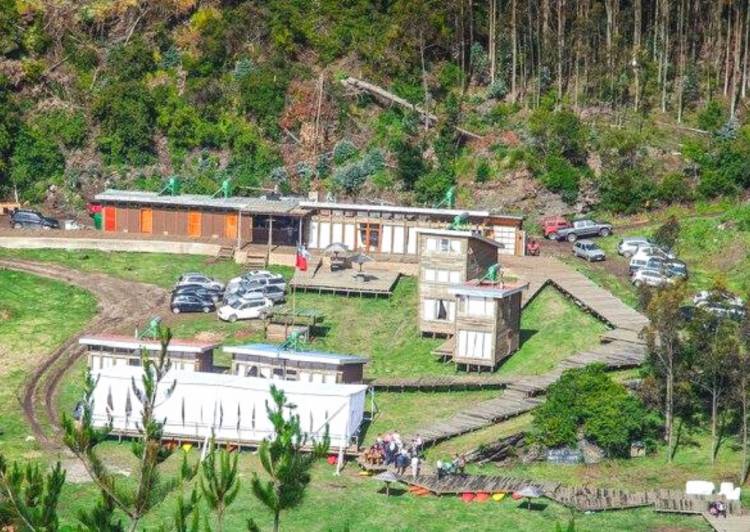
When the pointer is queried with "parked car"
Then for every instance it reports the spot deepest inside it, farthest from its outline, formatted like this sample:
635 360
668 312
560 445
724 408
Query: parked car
646 260
589 250
198 290
628 245
648 277
676 269
552 224
191 303
654 251
252 274
256 283
705 297
247 310
273 292
26 219
199 279
583 228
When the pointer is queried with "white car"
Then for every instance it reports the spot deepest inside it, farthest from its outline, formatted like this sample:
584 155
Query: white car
194 278
647 277
630 244
247 310
252 276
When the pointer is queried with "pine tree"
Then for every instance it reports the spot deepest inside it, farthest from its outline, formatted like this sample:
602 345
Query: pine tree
28 498
219 482
283 460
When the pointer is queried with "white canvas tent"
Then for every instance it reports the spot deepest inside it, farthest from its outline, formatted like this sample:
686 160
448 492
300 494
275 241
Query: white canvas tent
233 407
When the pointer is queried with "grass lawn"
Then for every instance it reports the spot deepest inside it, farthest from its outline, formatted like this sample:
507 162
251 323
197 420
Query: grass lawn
28 332
351 502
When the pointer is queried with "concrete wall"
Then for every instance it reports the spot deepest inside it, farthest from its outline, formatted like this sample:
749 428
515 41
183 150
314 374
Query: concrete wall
110 244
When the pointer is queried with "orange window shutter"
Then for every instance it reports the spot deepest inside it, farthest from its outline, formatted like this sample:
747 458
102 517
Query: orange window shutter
230 226
146 220
110 220
194 224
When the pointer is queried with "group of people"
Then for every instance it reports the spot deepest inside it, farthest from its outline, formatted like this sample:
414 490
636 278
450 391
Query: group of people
388 450
718 508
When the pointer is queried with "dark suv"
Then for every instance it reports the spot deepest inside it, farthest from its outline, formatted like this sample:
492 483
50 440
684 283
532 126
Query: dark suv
21 219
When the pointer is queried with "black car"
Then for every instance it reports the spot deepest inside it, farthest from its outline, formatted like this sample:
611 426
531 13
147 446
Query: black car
191 303
199 291
676 268
21 219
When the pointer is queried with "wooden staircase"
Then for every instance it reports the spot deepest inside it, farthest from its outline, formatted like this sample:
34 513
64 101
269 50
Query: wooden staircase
225 252
253 257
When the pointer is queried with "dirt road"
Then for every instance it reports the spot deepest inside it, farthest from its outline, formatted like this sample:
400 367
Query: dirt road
122 306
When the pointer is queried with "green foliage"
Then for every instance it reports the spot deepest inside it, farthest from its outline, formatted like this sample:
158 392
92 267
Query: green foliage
712 116
219 482
674 188
286 466
243 68
667 234
28 498
35 161
498 89
262 95
279 175
587 400
131 61
483 172
626 191
350 177
373 161
449 76
343 151
559 133
410 164
10 28
432 186
479 62
125 112
562 177
65 127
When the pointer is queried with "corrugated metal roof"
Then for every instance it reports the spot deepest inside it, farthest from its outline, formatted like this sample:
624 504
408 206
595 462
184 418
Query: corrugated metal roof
275 351
477 288
261 205
402 209
128 342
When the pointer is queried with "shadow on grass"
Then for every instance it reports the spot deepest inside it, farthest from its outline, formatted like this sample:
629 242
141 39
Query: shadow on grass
533 506
393 492
525 335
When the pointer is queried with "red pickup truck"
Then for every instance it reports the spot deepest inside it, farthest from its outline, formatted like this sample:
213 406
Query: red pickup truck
552 224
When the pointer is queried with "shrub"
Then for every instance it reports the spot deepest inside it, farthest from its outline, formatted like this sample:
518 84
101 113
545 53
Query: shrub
482 174
409 162
498 89
712 116
343 151
559 133
667 234
714 183
373 161
349 177
132 61
36 160
587 400
262 95
279 175
126 114
431 187
562 177
674 188
626 191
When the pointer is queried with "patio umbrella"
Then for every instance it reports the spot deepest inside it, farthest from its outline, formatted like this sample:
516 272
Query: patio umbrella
528 493
336 248
361 258
128 408
386 477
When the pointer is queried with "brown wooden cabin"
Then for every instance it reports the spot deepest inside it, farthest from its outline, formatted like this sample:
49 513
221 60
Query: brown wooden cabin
488 323
448 258
107 350
235 219
272 362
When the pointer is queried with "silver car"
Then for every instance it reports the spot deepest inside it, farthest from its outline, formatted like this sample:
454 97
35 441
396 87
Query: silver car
586 249
630 244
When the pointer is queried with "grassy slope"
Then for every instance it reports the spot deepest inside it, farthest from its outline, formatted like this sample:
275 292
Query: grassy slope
27 334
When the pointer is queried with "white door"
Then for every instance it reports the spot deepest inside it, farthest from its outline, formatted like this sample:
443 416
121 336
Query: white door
385 239
507 237
412 243
325 234
398 239
338 233
312 239
349 236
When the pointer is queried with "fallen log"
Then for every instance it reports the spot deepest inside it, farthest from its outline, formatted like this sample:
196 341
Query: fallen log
388 97
495 451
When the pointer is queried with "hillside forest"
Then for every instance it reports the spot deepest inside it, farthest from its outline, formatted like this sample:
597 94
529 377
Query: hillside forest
525 105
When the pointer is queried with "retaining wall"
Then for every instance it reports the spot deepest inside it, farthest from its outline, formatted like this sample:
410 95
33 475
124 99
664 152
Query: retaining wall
144 246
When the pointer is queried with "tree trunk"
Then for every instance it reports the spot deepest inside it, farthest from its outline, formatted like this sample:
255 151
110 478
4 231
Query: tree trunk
736 61
668 414
714 427
665 55
727 52
681 81
637 51
743 402
743 90
276 517
514 51
560 47
492 38
424 82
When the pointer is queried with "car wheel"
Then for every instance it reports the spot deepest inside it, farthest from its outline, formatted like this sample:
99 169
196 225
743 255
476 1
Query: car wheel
233 318
175 310
17 226
637 284
552 236
572 237
604 231
46 227
206 309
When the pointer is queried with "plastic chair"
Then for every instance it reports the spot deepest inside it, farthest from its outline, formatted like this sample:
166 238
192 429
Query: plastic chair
497 497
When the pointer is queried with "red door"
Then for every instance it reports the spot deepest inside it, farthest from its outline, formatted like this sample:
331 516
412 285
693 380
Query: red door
110 219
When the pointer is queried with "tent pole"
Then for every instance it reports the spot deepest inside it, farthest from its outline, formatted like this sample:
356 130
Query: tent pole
340 461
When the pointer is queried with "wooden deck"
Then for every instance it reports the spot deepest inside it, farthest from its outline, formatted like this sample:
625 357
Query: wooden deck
730 523
346 282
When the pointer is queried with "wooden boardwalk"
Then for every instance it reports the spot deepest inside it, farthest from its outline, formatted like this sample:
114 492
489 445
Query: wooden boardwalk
541 271
585 499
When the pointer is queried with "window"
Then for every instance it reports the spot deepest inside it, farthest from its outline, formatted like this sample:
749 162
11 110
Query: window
438 310
369 236
429 274
134 362
443 245
475 344
252 371
442 276
478 306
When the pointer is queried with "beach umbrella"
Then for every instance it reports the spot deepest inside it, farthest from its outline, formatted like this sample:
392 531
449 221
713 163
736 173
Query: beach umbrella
110 402
336 248
528 493
386 477
361 258
128 408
